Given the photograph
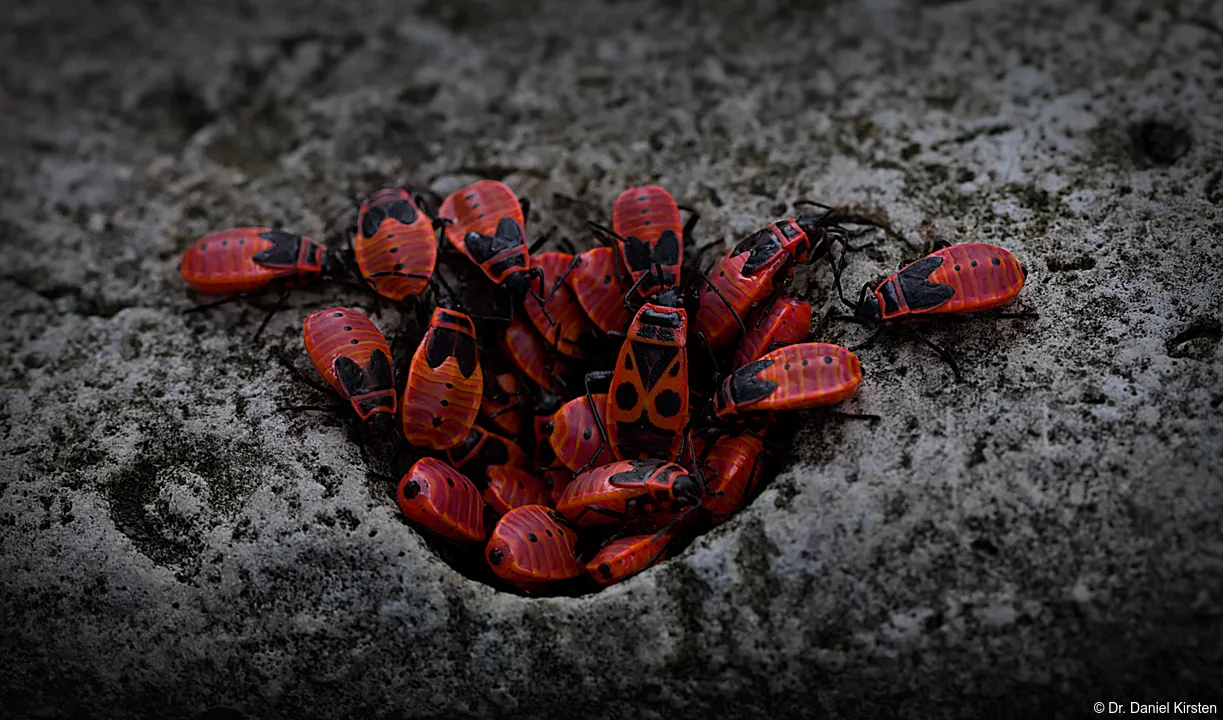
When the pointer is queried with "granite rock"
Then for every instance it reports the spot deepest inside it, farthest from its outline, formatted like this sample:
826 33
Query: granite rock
1039 537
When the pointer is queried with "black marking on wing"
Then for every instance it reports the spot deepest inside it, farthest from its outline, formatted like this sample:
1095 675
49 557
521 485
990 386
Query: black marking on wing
666 251
668 403
745 387
462 453
284 250
351 375
357 380
626 396
640 472
638 254
484 247
919 292
762 245
371 221
381 376
444 343
402 210
652 362
890 303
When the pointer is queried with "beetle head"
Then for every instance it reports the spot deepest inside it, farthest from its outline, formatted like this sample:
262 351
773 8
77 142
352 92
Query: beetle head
383 423
337 263
868 309
687 490
518 283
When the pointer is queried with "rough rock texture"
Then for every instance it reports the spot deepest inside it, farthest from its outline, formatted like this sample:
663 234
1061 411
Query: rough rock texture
1042 536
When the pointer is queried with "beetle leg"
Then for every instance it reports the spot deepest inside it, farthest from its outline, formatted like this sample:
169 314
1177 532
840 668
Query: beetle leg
828 209
853 416
738 320
594 410
525 204
819 326
599 509
280 301
946 356
309 408
693 217
632 292
560 281
868 342
543 239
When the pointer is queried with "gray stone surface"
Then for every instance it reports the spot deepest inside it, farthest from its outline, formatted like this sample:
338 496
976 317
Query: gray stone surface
1042 536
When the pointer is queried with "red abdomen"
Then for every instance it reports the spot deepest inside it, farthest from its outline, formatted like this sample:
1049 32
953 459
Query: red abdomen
734 467
501 404
532 546
487 225
249 259
958 279
794 377
600 290
648 220
351 354
565 322
788 321
628 556
510 487
735 291
395 247
481 450
441 499
575 434
445 382
522 344
623 491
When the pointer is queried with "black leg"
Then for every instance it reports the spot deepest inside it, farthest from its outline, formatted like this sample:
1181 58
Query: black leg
946 356
217 303
854 416
543 302
535 246
600 510
560 281
280 301
632 292
287 362
594 410
826 208
868 342
713 358
693 218
819 326
310 408
525 204
734 314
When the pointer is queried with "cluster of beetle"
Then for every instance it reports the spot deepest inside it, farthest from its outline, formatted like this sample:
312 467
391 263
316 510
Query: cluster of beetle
576 484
